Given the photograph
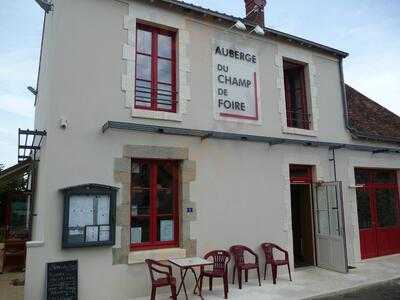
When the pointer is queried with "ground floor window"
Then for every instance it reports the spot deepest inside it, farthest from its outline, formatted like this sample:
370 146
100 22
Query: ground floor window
154 204
378 210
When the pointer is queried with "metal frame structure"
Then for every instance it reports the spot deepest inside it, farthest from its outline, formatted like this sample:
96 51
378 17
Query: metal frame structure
205 134
29 143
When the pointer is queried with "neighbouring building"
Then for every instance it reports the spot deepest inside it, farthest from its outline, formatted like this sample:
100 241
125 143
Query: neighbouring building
172 130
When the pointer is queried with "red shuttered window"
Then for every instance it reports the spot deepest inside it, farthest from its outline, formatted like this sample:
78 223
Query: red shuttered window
155 82
154 204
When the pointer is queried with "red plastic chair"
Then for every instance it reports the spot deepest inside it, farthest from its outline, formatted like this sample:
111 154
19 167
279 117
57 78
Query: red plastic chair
221 259
268 249
169 280
238 252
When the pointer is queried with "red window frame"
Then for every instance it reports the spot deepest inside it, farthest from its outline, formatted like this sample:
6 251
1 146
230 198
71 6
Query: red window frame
154 215
305 118
372 185
155 31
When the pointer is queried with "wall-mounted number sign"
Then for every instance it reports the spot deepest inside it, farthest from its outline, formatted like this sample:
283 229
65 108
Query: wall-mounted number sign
236 94
89 216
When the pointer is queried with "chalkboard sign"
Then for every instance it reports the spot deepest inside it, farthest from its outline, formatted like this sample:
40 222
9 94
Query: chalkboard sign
62 280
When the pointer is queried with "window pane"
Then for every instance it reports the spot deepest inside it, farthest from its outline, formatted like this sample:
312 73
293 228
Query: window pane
140 202
143 93
322 198
164 70
323 222
164 96
164 46
386 207
140 175
165 229
363 209
165 188
140 231
143 67
385 176
362 176
144 41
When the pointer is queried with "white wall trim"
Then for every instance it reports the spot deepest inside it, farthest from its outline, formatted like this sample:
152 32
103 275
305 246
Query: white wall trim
157 16
300 55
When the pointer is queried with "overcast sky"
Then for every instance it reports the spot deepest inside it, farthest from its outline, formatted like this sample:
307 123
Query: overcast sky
368 29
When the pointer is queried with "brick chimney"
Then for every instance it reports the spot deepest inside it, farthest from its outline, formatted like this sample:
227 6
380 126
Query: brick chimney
255 11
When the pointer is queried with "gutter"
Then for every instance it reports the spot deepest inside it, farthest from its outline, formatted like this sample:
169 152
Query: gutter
354 132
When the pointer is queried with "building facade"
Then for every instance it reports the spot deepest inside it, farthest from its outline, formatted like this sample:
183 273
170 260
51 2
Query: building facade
212 135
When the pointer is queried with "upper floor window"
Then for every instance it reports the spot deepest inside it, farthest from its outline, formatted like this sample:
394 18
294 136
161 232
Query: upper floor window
297 112
155 86
154 204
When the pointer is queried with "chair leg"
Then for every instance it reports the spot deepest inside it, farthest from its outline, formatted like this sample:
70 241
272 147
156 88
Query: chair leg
265 271
210 283
200 284
274 273
258 274
173 291
153 293
225 278
290 275
234 273
246 275
240 278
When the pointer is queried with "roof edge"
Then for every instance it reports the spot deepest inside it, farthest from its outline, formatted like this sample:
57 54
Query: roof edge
285 36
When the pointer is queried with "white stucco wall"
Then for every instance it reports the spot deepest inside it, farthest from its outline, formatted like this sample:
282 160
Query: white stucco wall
241 191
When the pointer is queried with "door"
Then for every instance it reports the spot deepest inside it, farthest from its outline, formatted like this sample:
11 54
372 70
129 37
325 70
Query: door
330 239
378 212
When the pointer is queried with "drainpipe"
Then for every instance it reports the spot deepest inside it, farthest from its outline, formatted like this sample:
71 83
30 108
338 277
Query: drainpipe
352 130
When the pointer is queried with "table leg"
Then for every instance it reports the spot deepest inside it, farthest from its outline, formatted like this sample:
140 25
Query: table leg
183 276
197 285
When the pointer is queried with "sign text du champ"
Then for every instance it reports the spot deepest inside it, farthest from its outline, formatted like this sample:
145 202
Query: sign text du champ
231 80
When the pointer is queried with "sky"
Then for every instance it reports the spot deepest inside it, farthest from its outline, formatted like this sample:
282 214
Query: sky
367 29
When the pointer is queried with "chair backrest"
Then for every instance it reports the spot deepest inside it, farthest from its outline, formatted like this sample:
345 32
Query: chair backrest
150 264
220 258
238 253
154 267
268 249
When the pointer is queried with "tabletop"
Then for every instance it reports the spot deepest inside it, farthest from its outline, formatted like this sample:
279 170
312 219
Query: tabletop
190 262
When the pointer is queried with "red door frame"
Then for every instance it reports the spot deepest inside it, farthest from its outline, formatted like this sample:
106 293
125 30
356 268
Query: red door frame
378 241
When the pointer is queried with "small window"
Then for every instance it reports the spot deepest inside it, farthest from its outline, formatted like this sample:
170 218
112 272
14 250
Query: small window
155 69
154 204
297 111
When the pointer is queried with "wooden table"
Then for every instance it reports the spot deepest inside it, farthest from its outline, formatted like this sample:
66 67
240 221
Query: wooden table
185 264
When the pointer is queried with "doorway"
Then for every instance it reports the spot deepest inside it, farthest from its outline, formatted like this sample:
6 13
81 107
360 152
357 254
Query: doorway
302 215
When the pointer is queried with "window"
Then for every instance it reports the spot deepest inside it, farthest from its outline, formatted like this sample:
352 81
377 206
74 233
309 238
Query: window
155 69
296 97
154 204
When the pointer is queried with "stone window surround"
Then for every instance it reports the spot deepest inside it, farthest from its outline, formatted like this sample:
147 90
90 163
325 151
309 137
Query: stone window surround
168 19
284 52
122 175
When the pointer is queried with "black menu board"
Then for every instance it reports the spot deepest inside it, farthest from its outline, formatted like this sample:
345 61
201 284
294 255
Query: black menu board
62 280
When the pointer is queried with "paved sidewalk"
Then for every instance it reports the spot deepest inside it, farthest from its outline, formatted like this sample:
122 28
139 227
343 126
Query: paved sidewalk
309 283
8 291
